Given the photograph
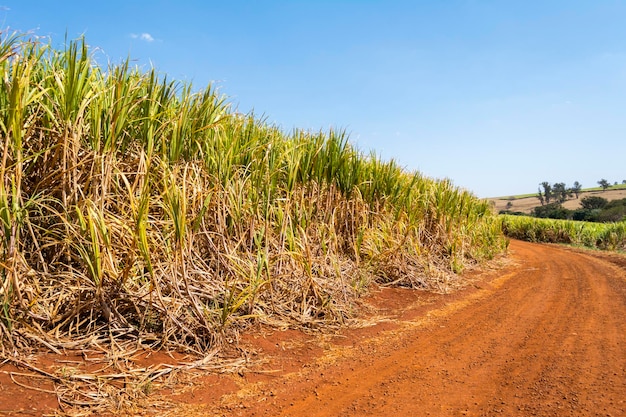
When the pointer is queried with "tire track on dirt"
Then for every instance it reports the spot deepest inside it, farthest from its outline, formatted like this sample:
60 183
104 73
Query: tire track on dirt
549 341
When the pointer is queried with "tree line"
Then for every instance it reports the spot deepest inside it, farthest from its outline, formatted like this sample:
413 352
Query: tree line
592 208
557 192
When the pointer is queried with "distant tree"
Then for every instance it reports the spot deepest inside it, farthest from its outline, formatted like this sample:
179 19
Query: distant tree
560 192
513 213
616 203
540 196
551 211
598 209
547 191
623 181
576 188
612 214
593 202
582 214
509 205
604 184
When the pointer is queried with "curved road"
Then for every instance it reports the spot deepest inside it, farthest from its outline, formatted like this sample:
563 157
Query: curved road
543 337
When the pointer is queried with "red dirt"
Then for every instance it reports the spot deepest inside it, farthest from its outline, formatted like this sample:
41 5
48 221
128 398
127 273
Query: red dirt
543 336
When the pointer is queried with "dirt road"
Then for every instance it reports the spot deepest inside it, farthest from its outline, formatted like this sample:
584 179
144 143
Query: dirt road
543 337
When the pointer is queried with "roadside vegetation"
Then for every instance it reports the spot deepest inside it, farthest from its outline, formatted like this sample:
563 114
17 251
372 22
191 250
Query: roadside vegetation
605 236
133 207
596 222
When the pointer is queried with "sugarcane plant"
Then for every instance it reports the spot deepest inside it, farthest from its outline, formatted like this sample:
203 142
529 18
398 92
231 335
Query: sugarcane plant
134 206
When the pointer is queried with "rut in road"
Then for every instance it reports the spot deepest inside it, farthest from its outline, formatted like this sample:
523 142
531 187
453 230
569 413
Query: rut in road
547 337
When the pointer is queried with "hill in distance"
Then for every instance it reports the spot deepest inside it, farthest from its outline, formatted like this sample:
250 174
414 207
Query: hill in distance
527 202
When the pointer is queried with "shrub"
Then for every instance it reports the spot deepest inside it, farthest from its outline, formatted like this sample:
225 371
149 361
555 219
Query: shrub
593 202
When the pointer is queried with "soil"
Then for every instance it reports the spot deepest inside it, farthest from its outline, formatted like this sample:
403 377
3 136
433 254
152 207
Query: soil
525 205
542 335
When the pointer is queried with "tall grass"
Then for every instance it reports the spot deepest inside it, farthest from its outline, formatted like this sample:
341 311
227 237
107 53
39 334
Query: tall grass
605 236
133 206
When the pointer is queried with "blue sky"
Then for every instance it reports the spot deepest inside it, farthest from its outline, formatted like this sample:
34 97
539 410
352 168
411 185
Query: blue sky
496 95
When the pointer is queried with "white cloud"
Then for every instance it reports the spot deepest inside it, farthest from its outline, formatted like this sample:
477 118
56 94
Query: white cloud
144 37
